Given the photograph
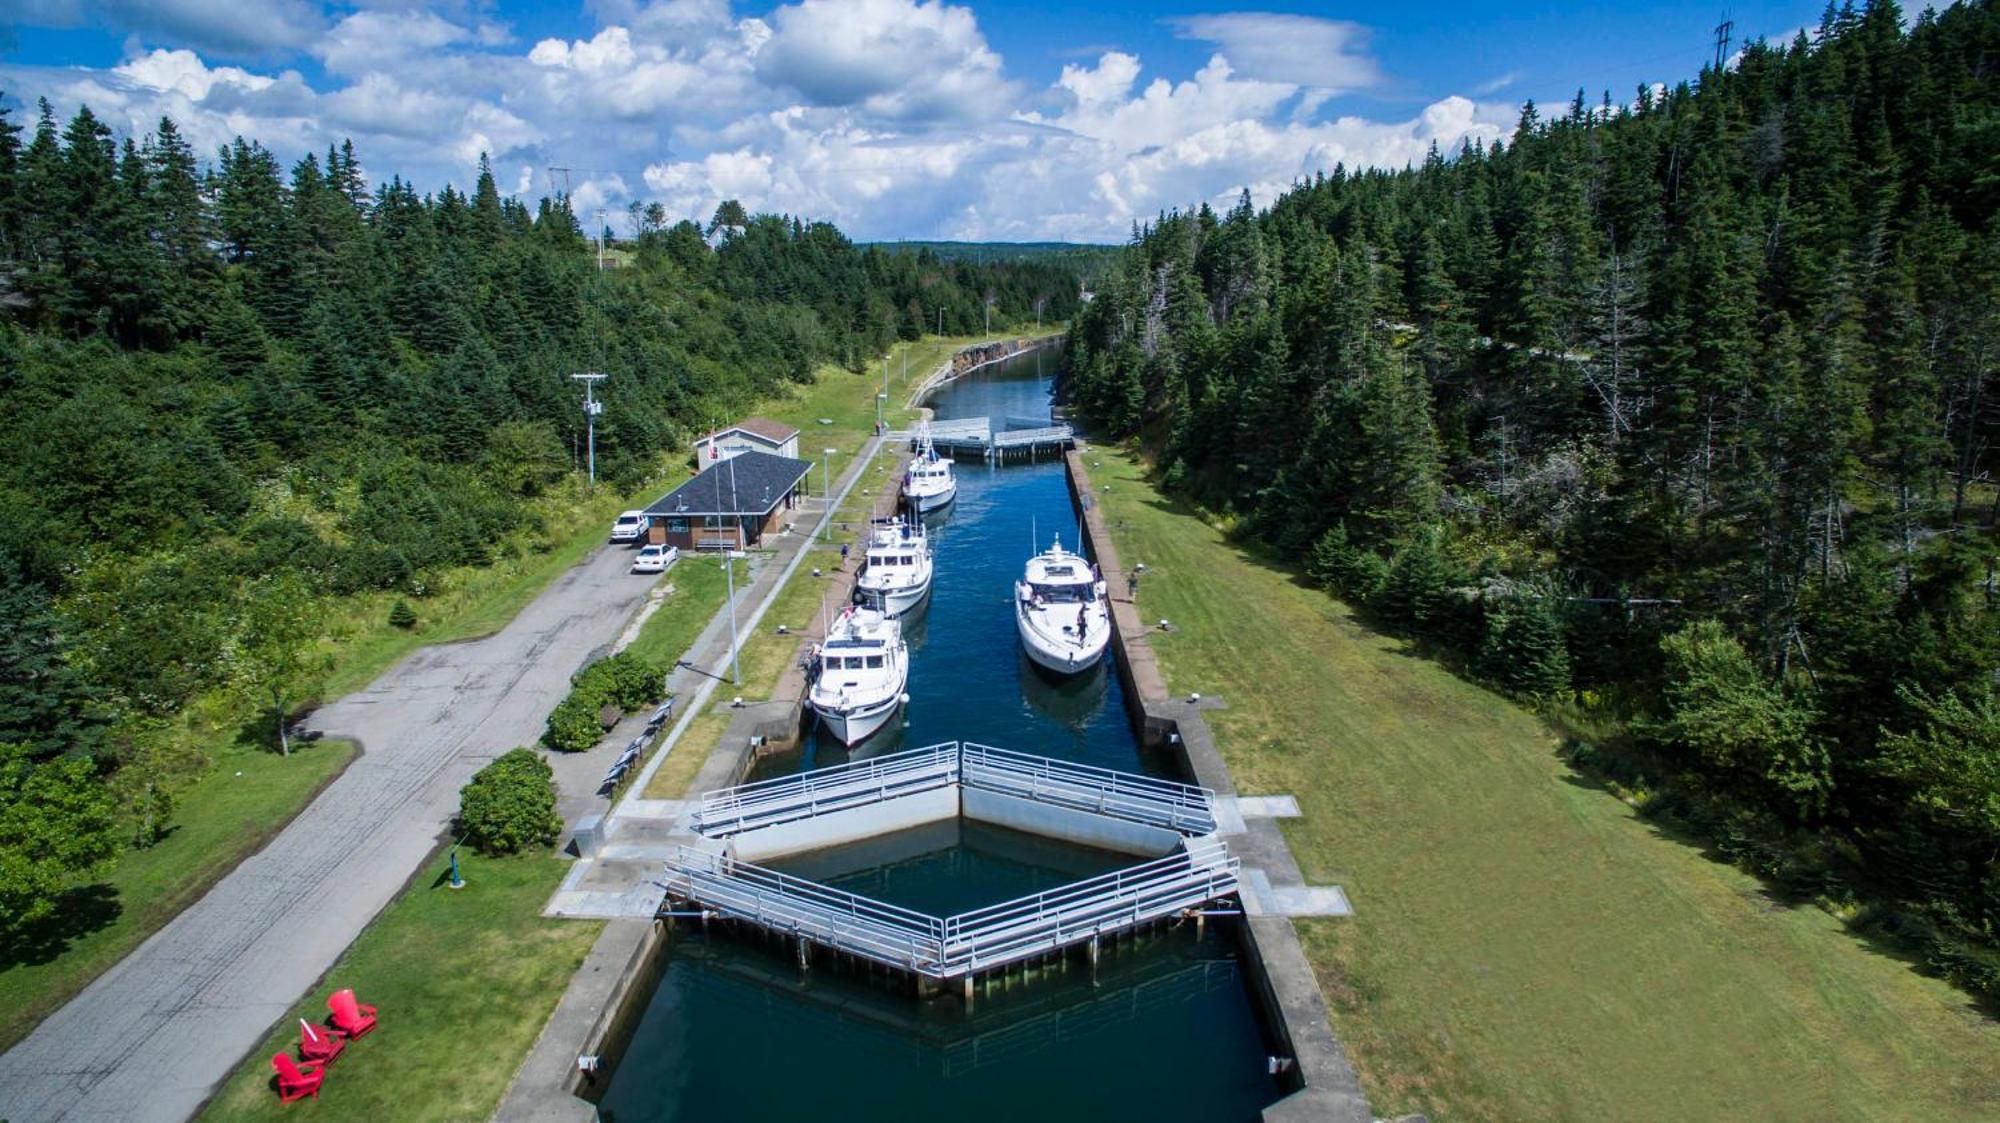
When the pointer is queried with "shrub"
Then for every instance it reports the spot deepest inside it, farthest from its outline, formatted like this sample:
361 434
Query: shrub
510 805
401 615
624 680
573 725
1347 569
1523 649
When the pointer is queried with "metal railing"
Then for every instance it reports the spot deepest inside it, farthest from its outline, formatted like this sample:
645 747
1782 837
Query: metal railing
1049 434
979 940
1054 918
1104 791
1183 808
769 803
859 925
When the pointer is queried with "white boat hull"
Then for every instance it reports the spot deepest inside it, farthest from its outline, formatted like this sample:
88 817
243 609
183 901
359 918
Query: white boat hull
1066 657
927 502
896 602
852 726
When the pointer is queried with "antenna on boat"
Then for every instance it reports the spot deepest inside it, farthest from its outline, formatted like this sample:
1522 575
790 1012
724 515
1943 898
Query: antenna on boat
1034 537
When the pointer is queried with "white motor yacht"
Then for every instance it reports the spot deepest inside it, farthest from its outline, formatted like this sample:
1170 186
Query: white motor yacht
859 674
896 573
1061 611
929 482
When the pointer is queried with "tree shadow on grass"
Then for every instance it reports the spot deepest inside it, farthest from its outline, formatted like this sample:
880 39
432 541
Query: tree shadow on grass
83 910
1771 895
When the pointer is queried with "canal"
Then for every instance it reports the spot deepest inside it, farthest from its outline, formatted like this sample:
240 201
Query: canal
1166 1031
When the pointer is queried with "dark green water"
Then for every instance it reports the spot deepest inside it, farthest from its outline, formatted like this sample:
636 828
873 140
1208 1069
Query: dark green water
950 867
1167 1032
733 1035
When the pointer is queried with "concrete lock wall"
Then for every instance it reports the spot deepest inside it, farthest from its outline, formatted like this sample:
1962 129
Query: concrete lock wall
1068 824
836 828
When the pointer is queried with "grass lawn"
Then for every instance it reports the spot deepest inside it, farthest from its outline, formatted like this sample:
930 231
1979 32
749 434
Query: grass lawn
464 980
700 588
1524 947
228 814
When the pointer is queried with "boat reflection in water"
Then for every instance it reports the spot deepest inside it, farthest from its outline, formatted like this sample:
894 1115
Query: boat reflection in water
1068 700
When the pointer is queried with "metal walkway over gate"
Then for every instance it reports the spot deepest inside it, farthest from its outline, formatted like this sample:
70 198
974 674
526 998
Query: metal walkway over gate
1198 869
1014 436
957 947
1182 808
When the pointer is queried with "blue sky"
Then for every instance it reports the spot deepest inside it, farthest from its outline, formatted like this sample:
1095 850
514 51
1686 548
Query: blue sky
894 118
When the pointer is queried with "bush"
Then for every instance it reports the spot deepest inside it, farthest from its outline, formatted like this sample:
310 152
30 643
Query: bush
573 725
1523 649
510 805
401 615
1346 569
624 680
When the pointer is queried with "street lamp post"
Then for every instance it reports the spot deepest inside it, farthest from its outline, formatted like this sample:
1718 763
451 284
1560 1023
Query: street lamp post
881 403
735 664
826 466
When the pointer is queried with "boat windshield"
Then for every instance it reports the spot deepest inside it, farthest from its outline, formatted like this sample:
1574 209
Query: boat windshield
1064 594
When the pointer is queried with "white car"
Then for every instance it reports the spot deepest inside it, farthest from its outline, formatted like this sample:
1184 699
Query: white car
655 559
629 527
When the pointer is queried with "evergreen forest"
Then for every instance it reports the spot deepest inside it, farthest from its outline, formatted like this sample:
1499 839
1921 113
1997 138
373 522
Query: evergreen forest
232 393
1675 416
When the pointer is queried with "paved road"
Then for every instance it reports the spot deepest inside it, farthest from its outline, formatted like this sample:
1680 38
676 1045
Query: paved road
153 1036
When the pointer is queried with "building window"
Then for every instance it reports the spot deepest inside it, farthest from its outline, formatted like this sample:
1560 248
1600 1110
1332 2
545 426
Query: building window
677 526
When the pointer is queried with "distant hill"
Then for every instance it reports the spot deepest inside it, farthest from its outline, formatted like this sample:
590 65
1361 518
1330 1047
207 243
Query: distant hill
1088 260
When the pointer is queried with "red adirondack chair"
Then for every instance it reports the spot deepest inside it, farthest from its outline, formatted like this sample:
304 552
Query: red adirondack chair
295 1083
318 1044
350 1018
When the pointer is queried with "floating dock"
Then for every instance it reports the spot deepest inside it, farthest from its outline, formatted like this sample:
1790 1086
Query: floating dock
1171 825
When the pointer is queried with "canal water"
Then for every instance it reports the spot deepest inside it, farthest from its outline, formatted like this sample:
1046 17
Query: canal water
1166 1031
969 680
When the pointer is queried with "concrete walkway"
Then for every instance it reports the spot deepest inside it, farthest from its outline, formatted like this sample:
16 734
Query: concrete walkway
154 1036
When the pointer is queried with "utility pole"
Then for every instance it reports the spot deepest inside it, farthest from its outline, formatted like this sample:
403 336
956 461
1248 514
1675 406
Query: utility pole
940 321
600 239
1722 39
591 408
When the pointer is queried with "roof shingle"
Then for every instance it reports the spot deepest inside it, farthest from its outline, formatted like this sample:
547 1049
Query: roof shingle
749 483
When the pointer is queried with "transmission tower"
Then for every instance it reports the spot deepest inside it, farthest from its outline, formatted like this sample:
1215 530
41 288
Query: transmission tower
1723 31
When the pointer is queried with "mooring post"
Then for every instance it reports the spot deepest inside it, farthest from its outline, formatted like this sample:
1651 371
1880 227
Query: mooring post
802 956
968 992
1093 960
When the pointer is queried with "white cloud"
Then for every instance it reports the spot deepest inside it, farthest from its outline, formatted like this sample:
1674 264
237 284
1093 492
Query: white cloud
370 41
893 118
895 59
1300 50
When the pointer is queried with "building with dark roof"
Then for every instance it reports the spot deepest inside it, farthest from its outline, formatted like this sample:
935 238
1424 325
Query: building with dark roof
752 434
731 506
